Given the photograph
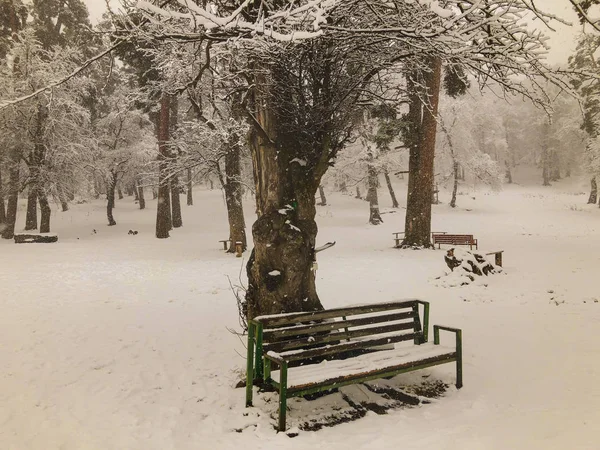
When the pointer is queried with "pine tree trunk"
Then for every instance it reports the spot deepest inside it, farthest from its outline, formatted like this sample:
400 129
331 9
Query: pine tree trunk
13 196
422 152
390 188
322 195
140 194
455 187
163 209
545 155
63 199
374 215
280 270
31 215
45 212
110 197
509 179
2 205
190 196
176 203
594 192
233 196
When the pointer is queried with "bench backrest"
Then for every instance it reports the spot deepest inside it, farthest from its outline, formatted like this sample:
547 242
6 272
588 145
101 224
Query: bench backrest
342 330
452 238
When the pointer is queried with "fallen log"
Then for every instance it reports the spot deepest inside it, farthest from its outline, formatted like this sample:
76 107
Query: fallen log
31 238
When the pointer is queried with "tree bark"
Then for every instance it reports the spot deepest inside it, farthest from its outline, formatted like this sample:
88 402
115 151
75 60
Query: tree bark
545 155
140 194
120 193
233 195
322 195
13 195
31 215
374 214
423 124
2 205
358 193
154 194
455 187
390 188
45 211
163 209
190 196
509 179
110 197
594 192
175 203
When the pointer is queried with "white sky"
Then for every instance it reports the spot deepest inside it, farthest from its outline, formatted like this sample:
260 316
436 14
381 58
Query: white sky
561 42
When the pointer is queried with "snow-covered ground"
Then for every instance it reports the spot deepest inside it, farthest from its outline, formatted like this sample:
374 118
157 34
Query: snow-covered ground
115 341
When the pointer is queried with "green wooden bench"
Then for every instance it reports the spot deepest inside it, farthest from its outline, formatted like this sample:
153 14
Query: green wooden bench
323 350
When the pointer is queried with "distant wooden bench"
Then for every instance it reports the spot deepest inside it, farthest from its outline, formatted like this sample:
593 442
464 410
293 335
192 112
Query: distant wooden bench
454 239
225 242
323 350
399 239
497 257
35 238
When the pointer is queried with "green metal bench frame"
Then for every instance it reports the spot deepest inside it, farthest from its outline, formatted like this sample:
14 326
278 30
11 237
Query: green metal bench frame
259 364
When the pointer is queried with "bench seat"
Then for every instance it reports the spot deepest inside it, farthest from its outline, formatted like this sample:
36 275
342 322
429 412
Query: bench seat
339 370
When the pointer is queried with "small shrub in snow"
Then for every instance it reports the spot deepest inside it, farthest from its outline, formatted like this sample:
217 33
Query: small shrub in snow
465 266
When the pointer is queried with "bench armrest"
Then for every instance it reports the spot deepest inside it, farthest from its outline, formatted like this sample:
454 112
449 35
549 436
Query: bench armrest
275 357
456 331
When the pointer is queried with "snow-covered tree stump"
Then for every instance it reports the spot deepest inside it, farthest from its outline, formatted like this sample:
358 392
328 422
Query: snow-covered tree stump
27 238
467 265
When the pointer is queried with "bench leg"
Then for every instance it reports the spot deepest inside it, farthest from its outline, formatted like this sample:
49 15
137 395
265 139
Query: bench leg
249 365
459 372
397 242
282 396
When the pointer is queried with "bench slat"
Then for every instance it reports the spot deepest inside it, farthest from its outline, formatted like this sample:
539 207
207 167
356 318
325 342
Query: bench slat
296 355
336 337
296 318
278 334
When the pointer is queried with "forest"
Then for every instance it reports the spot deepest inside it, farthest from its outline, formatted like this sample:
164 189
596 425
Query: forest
155 144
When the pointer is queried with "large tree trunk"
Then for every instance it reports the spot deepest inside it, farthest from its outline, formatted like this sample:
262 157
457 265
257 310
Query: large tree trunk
390 189
455 187
423 124
31 216
594 192
190 196
13 195
175 203
110 197
163 209
281 276
374 214
233 196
